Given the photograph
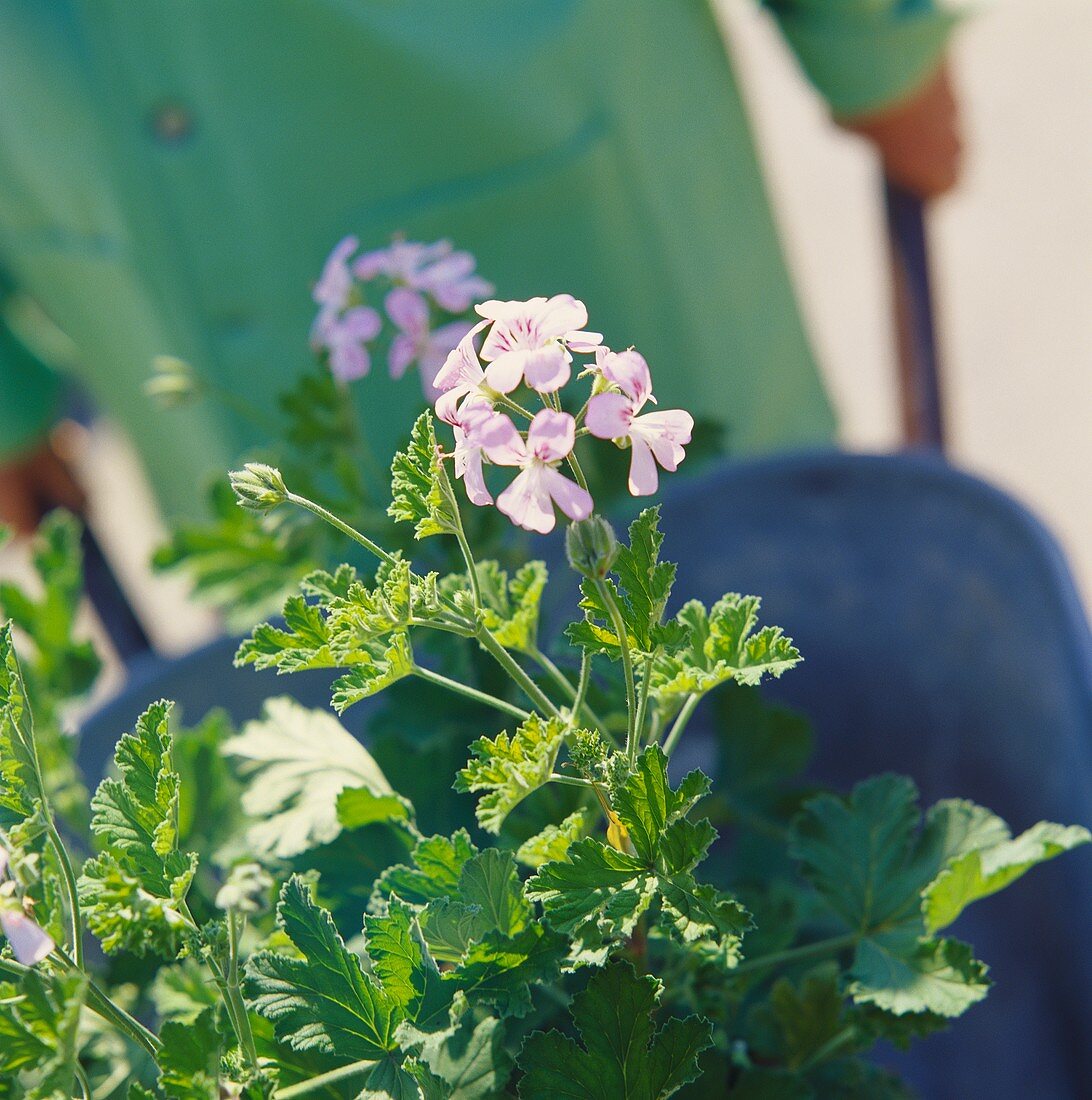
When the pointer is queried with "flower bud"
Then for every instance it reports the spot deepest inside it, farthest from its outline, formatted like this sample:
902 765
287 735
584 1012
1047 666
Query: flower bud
173 382
258 487
591 546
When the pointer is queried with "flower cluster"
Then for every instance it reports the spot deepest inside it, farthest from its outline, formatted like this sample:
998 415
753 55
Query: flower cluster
423 286
532 345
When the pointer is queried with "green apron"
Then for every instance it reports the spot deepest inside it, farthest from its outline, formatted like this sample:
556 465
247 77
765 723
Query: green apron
174 172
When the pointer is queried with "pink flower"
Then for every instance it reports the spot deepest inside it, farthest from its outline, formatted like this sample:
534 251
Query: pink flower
459 377
532 340
336 281
654 437
433 268
476 426
528 501
415 341
30 943
344 335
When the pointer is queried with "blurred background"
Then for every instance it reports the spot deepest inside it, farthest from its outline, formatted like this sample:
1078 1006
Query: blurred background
1009 252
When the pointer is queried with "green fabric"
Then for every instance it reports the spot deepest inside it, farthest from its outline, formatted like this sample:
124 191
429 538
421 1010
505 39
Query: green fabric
864 55
174 172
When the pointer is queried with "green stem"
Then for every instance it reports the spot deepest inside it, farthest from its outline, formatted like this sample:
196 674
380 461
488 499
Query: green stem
471 567
81 1077
471 693
578 472
642 704
340 525
683 718
577 694
70 888
512 406
354 1069
246 1039
523 681
101 1005
794 954
570 780
615 613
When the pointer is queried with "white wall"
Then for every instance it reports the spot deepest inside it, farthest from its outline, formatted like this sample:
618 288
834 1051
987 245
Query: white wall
1012 251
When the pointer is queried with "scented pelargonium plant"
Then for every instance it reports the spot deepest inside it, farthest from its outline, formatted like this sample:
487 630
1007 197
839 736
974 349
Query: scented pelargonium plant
506 889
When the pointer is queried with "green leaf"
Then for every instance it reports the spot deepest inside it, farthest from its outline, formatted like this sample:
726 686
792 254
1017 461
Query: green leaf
491 883
133 894
721 645
471 1062
39 1040
500 971
597 893
903 974
295 763
623 1057
645 581
20 789
323 1001
373 671
438 863
64 666
510 769
985 870
303 643
189 1059
420 491
894 881
644 585
553 842
404 966
360 806
182 991
510 608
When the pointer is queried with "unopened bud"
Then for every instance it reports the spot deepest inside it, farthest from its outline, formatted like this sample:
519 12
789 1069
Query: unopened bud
258 487
591 546
173 382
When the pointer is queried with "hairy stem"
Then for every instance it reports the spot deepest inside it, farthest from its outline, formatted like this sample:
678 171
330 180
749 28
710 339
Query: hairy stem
70 888
578 694
829 946
235 995
342 1073
471 693
342 526
101 1005
522 680
570 780
681 721
642 702
611 604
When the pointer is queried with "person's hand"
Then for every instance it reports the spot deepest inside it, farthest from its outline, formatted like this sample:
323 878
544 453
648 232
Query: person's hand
32 484
919 138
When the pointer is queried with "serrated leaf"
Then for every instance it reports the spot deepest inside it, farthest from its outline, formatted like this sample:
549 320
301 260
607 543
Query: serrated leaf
510 608
471 1062
893 882
20 790
182 991
420 491
597 893
374 669
189 1058
323 1001
133 894
511 768
490 882
295 763
438 863
404 966
553 842
645 581
623 1056
39 1034
500 971
303 643
720 645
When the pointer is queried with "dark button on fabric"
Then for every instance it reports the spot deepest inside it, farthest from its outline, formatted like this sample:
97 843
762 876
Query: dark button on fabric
171 123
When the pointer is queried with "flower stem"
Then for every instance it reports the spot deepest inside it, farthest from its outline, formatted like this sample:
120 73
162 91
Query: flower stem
512 406
570 780
246 1039
101 1005
323 1079
611 604
522 680
70 888
681 721
642 702
577 694
471 693
340 525
821 947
